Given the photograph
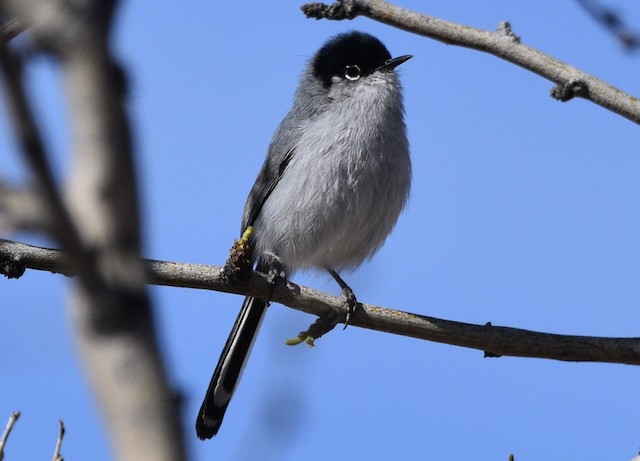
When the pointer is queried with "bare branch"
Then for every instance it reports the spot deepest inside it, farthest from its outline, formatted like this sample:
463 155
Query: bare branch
494 340
504 46
7 430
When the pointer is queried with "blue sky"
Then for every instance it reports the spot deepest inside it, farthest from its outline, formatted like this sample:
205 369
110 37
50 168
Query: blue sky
524 212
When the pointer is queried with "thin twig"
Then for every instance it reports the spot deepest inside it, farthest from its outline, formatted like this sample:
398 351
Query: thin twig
494 340
56 454
504 46
7 430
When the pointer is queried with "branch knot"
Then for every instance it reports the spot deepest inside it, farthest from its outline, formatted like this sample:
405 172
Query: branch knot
572 88
342 9
504 29
13 268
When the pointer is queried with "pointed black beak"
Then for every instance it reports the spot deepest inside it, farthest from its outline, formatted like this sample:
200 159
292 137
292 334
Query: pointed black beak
393 63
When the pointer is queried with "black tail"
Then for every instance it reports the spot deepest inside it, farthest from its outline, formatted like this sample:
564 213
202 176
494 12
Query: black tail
230 365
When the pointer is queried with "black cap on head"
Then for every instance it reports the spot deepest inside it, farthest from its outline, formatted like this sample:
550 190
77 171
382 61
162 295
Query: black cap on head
349 49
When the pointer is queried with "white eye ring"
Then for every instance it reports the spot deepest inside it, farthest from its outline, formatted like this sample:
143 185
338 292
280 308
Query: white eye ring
352 72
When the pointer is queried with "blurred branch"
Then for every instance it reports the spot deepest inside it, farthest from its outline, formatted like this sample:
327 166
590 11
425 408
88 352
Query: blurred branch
570 82
98 224
494 340
34 152
612 21
7 430
11 29
22 209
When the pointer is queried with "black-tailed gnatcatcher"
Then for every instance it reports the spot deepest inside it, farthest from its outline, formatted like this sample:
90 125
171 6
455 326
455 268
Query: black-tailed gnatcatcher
335 179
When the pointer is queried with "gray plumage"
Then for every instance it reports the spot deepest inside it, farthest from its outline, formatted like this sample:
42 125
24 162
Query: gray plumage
335 179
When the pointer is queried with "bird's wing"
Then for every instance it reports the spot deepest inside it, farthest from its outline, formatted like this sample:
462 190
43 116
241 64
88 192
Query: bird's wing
281 150
267 180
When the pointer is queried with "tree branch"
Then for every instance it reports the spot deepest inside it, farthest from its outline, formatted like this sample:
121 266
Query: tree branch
494 340
570 82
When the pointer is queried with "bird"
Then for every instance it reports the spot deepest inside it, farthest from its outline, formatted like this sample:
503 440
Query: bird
335 179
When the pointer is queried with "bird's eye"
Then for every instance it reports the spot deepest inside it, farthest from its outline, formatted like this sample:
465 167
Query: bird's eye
352 72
